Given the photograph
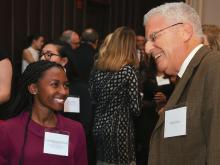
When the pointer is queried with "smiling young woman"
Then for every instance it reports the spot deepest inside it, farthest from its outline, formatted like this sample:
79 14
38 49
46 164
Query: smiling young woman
42 134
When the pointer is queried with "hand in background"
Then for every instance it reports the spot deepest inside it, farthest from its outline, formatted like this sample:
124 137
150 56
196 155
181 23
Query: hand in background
160 99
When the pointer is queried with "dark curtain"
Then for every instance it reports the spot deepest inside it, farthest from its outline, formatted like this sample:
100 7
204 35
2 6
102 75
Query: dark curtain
21 18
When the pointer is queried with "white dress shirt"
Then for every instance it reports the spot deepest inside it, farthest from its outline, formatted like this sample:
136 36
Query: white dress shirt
187 60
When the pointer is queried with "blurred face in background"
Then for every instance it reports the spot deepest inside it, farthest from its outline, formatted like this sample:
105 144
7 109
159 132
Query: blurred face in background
38 43
140 42
51 52
75 41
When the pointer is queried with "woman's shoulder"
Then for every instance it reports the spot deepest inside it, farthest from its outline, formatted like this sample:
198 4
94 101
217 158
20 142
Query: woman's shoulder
12 123
128 69
69 123
26 51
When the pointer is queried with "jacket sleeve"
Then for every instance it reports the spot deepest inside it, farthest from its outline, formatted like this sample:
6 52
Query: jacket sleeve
211 115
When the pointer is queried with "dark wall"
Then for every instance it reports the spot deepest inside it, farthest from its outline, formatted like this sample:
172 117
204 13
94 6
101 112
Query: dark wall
20 18
106 15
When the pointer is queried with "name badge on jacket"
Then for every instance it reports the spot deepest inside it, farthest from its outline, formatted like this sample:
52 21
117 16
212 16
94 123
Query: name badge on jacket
72 104
162 81
175 122
56 143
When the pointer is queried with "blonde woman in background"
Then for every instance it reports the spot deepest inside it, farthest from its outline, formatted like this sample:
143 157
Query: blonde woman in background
105 43
103 46
115 96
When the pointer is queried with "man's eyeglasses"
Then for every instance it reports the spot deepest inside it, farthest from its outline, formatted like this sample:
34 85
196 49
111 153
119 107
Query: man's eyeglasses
153 36
48 55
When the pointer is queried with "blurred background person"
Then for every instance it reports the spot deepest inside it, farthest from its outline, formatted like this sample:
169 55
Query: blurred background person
32 52
43 90
103 45
84 61
71 37
115 95
156 89
140 42
53 52
85 54
212 36
5 82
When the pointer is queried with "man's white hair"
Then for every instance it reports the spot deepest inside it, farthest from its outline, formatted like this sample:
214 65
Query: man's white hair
177 12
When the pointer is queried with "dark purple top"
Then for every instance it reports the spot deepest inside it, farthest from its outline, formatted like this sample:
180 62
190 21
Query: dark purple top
12 136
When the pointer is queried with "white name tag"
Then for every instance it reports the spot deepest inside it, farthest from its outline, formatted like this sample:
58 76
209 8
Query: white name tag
56 144
162 81
175 122
72 104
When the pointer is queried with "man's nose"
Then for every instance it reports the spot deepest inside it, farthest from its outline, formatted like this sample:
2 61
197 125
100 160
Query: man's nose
149 45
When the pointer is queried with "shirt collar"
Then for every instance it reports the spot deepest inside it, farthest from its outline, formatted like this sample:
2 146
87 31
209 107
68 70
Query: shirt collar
187 60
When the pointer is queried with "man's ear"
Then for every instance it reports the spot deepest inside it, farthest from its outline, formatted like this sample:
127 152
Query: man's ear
33 89
64 61
187 31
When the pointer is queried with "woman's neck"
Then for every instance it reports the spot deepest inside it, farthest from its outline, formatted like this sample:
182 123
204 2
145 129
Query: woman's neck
46 118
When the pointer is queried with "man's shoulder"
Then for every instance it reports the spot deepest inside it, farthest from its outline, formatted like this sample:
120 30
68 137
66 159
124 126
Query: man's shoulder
85 46
213 57
211 63
15 122
69 123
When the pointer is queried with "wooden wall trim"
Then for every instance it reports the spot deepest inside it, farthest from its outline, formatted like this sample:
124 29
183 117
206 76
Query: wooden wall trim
41 16
64 15
12 31
28 17
52 18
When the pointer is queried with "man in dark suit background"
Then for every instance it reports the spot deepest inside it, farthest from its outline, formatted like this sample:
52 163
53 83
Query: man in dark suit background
84 57
79 66
187 132
86 52
71 37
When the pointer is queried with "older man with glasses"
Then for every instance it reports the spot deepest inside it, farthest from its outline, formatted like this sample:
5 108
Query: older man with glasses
187 132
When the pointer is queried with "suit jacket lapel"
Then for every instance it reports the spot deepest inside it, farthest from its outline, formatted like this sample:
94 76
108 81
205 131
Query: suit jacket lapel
177 93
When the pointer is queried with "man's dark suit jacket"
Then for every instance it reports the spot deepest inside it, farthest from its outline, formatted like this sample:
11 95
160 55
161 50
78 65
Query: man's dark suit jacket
199 91
85 60
82 60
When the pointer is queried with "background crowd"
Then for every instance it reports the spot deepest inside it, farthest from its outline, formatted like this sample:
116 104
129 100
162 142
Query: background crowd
123 83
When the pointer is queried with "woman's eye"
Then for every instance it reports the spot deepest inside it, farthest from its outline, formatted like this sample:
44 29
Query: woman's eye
54 84
66 85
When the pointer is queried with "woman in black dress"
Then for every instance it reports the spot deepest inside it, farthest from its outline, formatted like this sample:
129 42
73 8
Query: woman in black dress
115 95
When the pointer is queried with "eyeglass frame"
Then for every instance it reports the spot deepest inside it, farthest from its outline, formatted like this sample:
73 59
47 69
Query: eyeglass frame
153 36
48 55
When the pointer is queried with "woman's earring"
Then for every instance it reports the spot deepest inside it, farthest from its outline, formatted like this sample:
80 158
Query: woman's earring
35 92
